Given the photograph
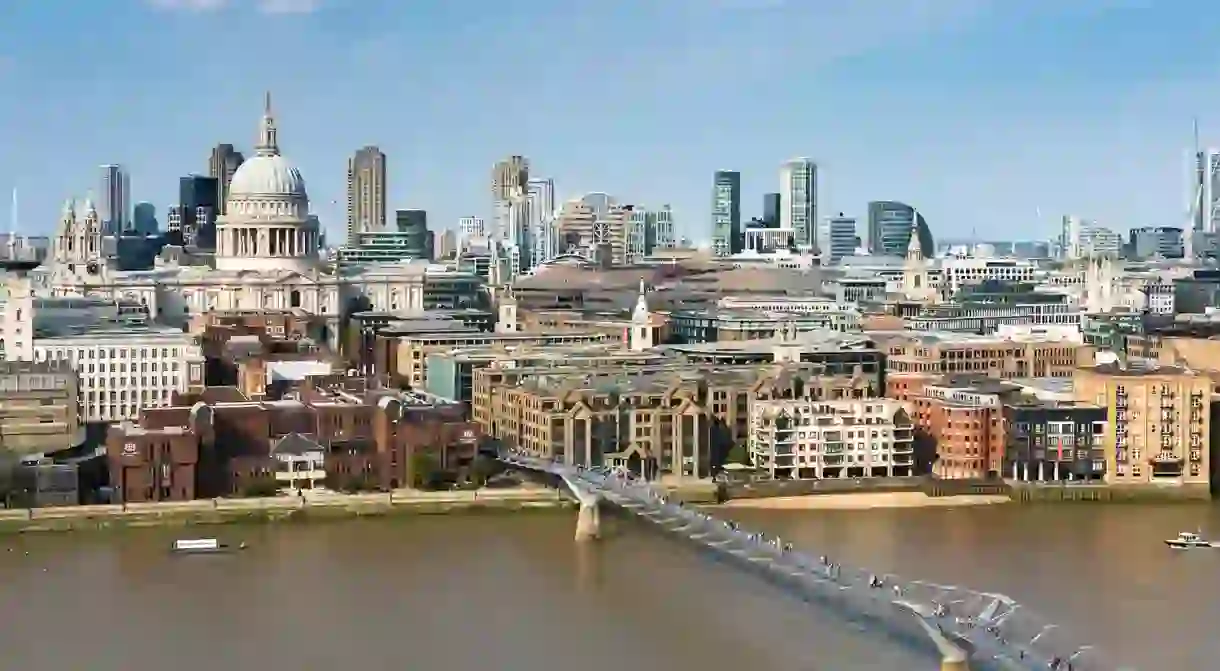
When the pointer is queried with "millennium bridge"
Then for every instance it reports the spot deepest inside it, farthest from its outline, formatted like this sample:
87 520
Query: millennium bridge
967 630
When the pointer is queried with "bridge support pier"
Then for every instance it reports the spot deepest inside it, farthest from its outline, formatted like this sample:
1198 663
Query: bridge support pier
588 522
954 652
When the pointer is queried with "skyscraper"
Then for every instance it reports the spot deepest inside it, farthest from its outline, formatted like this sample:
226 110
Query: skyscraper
543 231
144 218
222 164
366 193
1205 206
798 191
889 229
726 213
116 200
414 224
197 210
508 177
663 235
770 211
840 237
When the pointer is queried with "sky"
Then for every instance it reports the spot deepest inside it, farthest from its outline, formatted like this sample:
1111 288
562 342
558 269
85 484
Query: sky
993 117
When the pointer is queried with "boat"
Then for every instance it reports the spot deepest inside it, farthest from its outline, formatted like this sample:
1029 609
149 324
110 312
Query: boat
1187 540
202 546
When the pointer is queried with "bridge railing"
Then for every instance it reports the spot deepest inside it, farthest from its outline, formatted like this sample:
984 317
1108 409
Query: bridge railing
1002 634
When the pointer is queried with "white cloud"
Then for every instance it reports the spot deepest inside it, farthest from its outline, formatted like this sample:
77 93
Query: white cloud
262 6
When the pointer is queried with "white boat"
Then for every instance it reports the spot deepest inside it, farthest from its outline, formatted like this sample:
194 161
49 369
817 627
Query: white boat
201 546
1187 540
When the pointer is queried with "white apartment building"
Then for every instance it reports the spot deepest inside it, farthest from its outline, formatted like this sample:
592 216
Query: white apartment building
123 364
831 439
125 369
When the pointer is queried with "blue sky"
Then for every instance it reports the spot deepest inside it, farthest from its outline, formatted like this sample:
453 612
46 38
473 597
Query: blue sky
982 113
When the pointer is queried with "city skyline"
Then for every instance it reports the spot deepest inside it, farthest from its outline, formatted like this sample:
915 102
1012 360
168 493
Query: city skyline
1037 108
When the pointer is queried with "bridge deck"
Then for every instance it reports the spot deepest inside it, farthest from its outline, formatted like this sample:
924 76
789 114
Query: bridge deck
998 632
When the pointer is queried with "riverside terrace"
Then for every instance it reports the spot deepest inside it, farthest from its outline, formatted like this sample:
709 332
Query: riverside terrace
966 629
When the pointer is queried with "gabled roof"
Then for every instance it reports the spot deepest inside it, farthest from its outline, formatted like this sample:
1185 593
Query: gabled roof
295 444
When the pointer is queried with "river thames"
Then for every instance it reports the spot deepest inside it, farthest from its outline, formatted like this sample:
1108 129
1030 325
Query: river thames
514 591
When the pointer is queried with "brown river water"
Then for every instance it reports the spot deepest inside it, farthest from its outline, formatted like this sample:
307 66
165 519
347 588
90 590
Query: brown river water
514 592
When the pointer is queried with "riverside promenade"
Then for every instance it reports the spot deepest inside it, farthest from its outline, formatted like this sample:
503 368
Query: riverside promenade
312 504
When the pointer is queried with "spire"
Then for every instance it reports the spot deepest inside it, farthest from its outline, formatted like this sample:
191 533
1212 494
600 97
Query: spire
640 314
268 144
914 250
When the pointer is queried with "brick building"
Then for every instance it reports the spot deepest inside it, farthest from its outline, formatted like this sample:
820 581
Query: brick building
237 446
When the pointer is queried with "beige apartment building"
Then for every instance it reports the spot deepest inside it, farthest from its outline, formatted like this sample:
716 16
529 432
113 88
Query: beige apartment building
658 426
411 355
507 403
1158 422
944 353
38 407
832 439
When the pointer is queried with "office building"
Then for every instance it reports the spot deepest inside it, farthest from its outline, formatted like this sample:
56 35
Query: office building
414 225
446 245
664 235
144 219
585 232
1205 201
366 193
798 182
771 210
726 213
115 204
197 209
889 229
509 176
839 239
471 229
222 165
1155 241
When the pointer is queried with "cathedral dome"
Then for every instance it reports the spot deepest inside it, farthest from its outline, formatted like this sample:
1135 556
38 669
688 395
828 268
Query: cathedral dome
267 175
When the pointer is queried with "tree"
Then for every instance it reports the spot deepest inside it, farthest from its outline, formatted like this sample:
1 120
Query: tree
738 454
425 471
260 487
482 469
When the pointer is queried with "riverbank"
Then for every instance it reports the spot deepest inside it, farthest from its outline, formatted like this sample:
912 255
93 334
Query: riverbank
866 501
315 506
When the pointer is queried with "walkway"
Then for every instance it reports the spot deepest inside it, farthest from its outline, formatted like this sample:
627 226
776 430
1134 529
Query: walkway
999 633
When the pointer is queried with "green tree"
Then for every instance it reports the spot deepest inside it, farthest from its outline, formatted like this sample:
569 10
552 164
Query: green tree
738 454
260 487
482 469
425 471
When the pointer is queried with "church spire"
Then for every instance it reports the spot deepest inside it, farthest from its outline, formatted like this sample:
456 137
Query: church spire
268 143
914 248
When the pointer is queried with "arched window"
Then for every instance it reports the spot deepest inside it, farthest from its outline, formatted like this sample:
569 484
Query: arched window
295 299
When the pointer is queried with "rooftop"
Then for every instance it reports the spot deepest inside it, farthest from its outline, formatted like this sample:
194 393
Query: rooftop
818 340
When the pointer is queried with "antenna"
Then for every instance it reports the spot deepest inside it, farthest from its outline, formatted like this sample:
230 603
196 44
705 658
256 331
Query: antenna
12 233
